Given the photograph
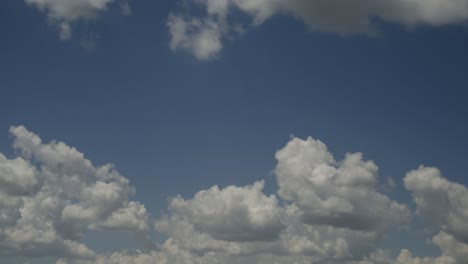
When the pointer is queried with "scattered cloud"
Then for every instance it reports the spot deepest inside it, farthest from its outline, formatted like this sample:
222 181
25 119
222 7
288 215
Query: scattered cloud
336 16
325 211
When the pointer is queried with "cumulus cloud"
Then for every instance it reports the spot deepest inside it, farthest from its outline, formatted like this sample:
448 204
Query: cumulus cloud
63 13
444 206
331 212
17 177
336 16
341 194
232 214
52 195
325 211
442 203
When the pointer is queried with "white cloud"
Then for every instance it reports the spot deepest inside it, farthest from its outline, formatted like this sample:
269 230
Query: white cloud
325 211
17 177
63 13
334 212
451 248
341 194
442 203
337 16
48 207
202 38
233 213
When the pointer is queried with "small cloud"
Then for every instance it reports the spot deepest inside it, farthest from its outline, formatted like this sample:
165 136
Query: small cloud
202 38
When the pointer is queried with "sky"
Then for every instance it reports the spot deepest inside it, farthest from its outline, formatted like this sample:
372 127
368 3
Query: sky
233 131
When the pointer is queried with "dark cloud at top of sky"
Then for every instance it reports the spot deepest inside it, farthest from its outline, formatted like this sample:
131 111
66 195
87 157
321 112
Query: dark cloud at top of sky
203 36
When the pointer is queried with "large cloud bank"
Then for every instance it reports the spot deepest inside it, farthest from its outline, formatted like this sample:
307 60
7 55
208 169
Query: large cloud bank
203 35
325 211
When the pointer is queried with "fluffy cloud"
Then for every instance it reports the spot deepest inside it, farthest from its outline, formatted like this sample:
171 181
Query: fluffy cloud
63 13
325 211
442 203
337 16
17 177
232 214
52 195
341 194
332 212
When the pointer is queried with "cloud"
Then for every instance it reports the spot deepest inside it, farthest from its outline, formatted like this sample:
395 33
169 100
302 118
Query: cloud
325 211
332 211
336 16
442 203
341 194
202 38
17 177
63 14
233 213
52 195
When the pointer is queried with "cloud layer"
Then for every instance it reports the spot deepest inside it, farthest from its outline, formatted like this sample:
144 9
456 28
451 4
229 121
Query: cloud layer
203 35
325 211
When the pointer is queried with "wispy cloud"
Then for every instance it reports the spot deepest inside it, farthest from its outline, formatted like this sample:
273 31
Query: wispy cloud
63 14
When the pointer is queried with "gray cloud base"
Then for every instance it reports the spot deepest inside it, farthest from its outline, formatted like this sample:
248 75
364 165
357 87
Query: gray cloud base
203 36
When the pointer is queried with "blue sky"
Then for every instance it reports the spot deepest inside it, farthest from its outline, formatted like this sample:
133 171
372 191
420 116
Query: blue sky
174 122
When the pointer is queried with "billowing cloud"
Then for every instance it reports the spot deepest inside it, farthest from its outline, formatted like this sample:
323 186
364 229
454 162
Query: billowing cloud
337 16
63 13
331 211
232 214
17 177
341 194
325 211
444 206
52 195
442 203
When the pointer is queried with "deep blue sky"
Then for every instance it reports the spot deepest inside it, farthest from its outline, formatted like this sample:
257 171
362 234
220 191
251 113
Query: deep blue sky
174 125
